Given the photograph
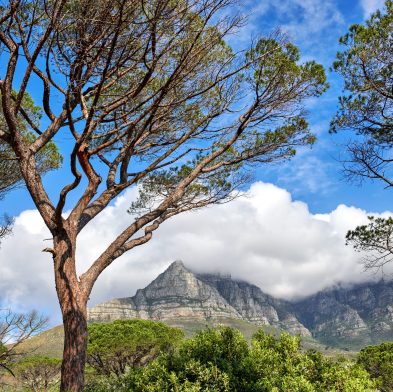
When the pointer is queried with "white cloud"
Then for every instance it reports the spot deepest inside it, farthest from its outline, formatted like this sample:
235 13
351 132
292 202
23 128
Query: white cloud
265 238
370 6
312 24
308 17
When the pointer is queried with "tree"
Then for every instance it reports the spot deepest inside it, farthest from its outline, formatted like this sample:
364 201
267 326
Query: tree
151 96
38 373
15 328
115 347
367 67
378 361
223 348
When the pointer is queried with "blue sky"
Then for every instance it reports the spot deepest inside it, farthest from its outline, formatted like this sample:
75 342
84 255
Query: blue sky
298 212
314 175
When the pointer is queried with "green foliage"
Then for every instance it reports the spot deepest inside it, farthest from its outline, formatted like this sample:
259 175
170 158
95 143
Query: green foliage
278 68
371 236
193 377
38 373
280 365
49 158
223 348
378 361
375 238
115 347
220 359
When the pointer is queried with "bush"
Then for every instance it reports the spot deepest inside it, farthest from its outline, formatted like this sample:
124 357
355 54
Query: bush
38 373
280 365
378 361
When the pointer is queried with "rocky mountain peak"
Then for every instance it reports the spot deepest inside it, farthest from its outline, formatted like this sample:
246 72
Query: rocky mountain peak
176 266
179 293
353 315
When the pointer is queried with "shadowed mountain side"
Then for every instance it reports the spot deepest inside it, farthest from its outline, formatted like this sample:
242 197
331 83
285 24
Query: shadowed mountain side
350 317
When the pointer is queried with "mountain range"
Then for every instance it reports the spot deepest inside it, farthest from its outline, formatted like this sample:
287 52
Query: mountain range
339 317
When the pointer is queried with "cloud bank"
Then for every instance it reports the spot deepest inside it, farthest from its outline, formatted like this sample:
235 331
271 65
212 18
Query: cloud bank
265 238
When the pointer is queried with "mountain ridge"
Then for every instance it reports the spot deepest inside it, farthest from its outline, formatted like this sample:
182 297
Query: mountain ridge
338 317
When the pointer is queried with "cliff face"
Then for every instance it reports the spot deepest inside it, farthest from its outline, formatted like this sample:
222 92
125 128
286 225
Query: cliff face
361 315
341 316
254 305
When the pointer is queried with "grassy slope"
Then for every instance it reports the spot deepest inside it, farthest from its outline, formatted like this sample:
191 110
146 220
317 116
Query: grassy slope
48 343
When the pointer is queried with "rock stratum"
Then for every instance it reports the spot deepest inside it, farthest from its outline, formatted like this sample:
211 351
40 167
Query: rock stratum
341 317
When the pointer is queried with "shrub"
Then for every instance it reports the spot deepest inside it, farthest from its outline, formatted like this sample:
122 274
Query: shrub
38 373
378 361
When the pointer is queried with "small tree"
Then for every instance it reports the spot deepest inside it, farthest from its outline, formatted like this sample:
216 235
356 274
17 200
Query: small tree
367 67
116 347
150 95
14 330
38 373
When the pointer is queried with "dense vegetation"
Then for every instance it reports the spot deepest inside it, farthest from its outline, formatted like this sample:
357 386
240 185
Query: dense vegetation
221 359
147 356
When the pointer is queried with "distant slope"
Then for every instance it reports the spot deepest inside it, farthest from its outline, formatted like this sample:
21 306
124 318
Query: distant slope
48 343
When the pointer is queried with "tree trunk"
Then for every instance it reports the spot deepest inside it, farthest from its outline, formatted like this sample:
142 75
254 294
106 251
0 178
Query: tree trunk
73 303
74 354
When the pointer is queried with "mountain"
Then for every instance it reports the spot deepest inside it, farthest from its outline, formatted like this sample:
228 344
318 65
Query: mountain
341 317
357 316
177 292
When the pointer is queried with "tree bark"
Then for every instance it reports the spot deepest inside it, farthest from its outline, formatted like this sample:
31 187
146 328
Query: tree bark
73 303
74 354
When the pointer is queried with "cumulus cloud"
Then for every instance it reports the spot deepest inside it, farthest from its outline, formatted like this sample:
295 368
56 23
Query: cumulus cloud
370 6
265 237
